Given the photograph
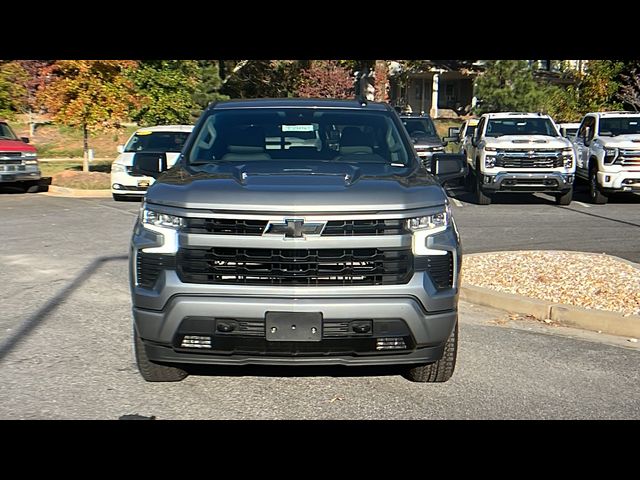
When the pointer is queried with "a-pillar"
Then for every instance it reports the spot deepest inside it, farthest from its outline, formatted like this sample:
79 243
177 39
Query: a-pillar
434 96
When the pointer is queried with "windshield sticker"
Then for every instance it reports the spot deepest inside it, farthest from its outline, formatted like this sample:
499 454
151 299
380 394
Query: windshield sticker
298 128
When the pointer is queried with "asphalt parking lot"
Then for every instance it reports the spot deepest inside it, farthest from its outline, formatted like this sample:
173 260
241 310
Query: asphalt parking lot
66 352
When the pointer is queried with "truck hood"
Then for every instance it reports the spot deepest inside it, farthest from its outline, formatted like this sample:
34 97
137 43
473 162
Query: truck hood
621 141
15 146
527 141
126 158
265 186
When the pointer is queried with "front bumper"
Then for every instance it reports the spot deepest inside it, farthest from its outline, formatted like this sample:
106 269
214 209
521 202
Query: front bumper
124 184
623 181
527 182
10 177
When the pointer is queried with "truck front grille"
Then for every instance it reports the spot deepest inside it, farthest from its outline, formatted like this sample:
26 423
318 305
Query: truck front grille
628 158
312 267
529 159
10 161
9 155
334 228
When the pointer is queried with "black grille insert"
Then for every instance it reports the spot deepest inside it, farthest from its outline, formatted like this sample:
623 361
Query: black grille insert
336 228
224 226
313 267
149 266
440 269
532 162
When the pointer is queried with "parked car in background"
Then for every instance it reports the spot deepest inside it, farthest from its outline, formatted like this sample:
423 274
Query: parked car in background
608 153
424 136
19 163
520 152
464 134
568 130
165 140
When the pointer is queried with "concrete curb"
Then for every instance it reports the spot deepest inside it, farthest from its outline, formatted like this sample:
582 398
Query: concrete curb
76 192
588 319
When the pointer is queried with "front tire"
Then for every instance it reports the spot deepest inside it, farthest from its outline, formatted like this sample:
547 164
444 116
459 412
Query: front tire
154 372
481 198
439 371
595 194
564 199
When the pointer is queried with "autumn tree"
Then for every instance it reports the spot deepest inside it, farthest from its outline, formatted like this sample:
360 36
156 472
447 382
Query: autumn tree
165 89
90 94
325 79
13 94
594 90
261 78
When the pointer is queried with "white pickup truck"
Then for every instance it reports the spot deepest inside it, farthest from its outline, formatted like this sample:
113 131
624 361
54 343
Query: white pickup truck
520 152
608 153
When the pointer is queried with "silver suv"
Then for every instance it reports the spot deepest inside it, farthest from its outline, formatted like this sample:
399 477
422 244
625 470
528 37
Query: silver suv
345 254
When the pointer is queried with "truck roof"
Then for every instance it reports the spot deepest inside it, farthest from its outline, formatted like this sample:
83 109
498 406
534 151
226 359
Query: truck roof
614 114
516 114
298 103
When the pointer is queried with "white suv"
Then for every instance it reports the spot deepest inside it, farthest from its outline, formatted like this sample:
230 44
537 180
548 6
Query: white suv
608 153
520 152
165 139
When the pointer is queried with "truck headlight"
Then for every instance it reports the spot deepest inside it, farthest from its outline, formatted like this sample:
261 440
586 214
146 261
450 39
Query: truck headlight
151 217
567 156
29 154
118 168
425 226
31 162
166 225
610 155
489 162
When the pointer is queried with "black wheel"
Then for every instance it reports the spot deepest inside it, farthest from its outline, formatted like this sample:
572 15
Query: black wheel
564 199
439 371
481 198
154 372
595 194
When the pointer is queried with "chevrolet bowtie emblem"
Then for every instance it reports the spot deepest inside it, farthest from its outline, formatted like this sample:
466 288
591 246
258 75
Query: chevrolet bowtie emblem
293 228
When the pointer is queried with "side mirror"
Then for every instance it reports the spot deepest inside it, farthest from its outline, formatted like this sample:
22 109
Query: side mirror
120 148
449 166
150 164
454 132
25 139
450 138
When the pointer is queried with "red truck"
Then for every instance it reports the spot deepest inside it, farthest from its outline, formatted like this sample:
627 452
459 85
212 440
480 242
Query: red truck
19 163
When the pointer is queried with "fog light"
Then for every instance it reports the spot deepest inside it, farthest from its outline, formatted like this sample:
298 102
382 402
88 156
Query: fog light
195 341
390 343
607 178
116 186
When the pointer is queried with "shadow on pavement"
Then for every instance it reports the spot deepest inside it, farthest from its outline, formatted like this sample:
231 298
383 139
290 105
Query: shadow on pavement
8 344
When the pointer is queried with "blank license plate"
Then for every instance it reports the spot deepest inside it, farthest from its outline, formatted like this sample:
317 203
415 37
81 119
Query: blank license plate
294 326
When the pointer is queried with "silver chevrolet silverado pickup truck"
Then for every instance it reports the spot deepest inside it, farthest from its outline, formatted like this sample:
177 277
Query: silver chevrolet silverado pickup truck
260 249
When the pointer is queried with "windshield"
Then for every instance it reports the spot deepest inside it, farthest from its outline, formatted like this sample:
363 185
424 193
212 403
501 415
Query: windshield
570 132
6 132
419 127
147 141
498 127
619 126
299 134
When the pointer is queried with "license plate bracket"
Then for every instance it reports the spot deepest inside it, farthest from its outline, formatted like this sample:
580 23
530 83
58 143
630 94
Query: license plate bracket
143 183
293 326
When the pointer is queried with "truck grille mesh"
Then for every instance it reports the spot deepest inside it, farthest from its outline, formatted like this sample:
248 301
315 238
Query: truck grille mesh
312 267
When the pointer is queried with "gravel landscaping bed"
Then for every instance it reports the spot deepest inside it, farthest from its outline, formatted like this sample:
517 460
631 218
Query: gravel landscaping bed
582 279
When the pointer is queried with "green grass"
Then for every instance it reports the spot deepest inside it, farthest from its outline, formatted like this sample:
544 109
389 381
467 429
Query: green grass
51 168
